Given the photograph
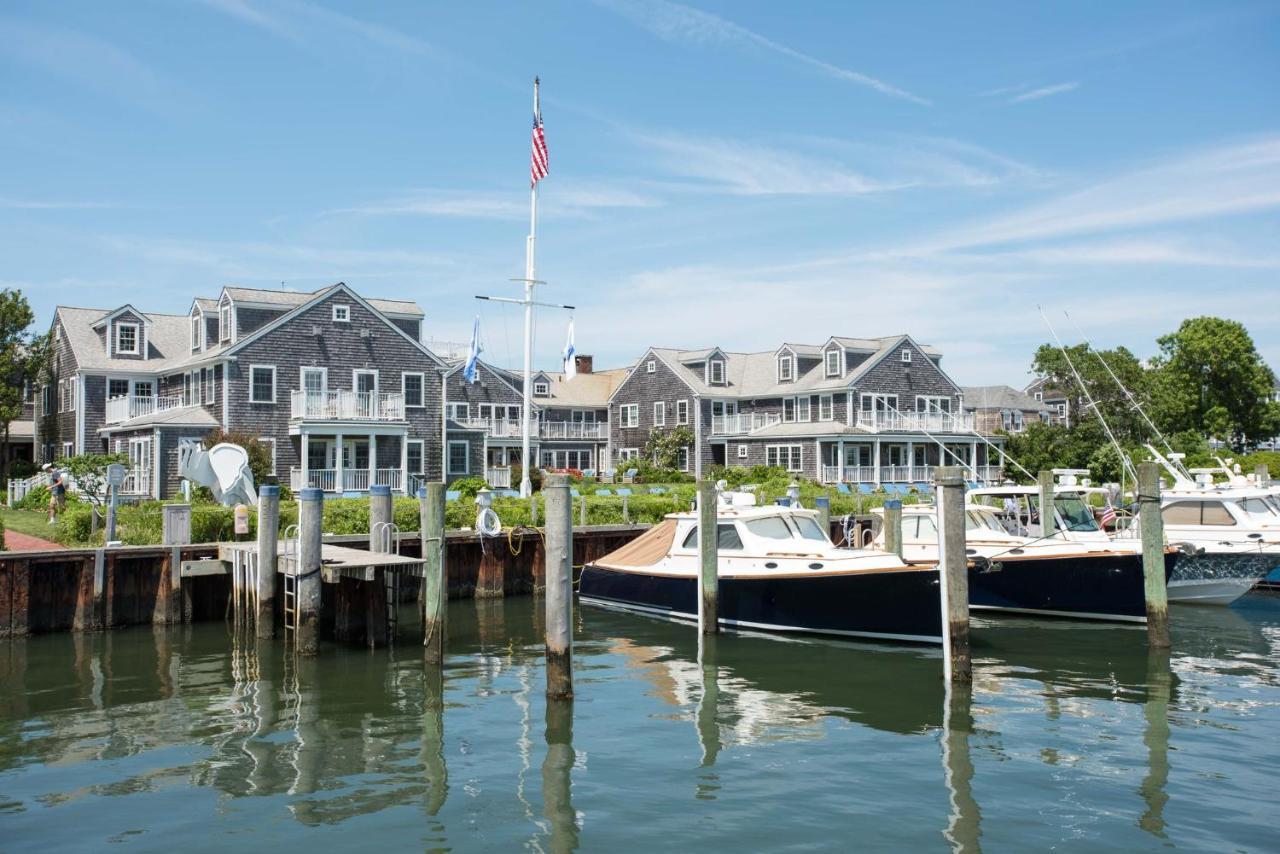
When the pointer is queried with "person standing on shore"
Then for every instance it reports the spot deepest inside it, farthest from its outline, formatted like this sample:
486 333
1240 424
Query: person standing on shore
57 494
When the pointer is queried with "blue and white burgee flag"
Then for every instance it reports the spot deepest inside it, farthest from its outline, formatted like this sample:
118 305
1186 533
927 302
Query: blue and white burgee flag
570 365
473 355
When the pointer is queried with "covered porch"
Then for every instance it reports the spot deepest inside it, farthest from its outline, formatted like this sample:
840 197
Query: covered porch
907 460
350 460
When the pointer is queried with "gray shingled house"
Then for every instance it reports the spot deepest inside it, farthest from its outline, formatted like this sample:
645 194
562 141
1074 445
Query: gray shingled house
854 410
339 386
1001 407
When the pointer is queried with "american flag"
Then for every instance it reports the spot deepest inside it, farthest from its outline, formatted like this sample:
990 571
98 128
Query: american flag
1108 515
538 159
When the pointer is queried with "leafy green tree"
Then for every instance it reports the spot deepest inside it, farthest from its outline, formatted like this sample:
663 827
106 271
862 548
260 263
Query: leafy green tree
89 472
259 452
1111 399
663 447
1209 367
21 359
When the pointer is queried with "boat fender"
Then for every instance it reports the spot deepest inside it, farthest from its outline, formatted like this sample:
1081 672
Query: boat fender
983 565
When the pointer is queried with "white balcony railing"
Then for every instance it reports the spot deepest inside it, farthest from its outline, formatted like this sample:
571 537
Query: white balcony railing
902 474
912 422
743 423
574 430
129 406
501 428
136 482
346 405
353 480
498 478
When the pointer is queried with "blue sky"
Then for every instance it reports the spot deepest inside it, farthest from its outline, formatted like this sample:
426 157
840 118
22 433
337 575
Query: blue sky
736 174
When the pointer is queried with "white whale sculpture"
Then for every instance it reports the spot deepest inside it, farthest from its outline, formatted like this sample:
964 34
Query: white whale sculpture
224 468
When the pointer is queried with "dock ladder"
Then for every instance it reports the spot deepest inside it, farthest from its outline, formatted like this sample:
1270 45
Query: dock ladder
387 537
291 556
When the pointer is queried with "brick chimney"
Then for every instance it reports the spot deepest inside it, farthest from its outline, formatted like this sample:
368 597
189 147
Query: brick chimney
583 364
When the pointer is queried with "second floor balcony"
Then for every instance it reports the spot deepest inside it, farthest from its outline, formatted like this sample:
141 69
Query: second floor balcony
743 423
126 407
575 430
878 421
346 406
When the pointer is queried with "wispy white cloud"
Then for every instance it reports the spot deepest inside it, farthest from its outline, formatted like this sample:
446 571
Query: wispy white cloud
1045 92
295 19
675 22
1158 252
816 166
566 200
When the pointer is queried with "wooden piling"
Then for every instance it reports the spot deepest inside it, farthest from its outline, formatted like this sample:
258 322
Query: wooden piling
380 540
175 531
953 572
709 565
823 505
559 597
435 590
308 595
893 526
268 563
1157 594
1048 516
1262 475
582 511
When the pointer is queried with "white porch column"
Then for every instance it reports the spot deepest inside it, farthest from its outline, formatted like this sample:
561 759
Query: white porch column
373 459
973 458
338 473
911 459
840 461
404 462
306 455
875 460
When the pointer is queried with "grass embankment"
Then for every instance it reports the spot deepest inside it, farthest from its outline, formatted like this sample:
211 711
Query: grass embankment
35 523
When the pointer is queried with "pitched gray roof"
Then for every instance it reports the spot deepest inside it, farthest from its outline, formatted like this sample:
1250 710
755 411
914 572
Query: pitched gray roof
1000 397
291 299
168 341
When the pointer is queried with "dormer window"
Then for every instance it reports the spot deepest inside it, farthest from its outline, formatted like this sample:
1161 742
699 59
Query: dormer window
906 355
197 331
341 313
715 372
833 363
786 368
224 323
541 388
127 342
651 366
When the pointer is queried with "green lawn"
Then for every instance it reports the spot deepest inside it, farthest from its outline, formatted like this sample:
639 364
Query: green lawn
33 522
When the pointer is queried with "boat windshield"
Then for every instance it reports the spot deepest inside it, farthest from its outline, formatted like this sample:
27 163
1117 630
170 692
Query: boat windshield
770 527
809 529
1258 509
1075 513
976 520
727 538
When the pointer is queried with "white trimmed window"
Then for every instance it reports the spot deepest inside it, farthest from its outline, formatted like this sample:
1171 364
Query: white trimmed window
128 341
459 456
932 403
789 457
262 383
341 313
458 411
906 355
682 458
415 456
715 372
412 385
651 366
795 409
224 323
742 452
826 408
1011 420
786 368
67 450
628 453
117 388
629 415
833 363
209 388
197 331
270 442
660 414
682 412
541 389
802 408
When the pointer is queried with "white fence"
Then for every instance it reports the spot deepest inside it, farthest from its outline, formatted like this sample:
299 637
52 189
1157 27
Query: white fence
353 480
574 430
907 422
130 406
498 478
902 474
738 425
346 405
136 482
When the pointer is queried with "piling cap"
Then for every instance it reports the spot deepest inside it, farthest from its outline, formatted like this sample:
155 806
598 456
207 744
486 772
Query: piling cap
311 493
380 490
822 501
894 502
422 492
268 490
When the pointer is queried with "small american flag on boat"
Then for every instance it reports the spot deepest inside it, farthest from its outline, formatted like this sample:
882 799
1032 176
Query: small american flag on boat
1108 515
538 159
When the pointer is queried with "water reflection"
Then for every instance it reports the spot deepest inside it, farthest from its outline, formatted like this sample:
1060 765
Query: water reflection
557 768
1156 738
964 824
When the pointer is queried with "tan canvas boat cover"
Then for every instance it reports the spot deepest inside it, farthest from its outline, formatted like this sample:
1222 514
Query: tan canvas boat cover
645 550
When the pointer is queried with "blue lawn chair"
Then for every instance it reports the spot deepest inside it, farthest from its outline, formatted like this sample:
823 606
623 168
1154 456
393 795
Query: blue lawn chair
589 473
508 493
843 489
452 495
624 491
923 488
573 490
604 492
866 489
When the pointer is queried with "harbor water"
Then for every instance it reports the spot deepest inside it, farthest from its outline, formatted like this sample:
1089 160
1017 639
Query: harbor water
1074 736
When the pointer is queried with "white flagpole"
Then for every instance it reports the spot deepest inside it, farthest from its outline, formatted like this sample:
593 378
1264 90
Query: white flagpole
526 485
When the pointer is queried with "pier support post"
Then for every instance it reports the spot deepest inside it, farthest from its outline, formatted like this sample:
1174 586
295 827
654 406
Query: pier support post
308 581
379 516
953 572
175 531
1048 524
1262 475
559 598
376 594
893 526
709 565
268 540
1157 594
582 511
823 506
435 590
